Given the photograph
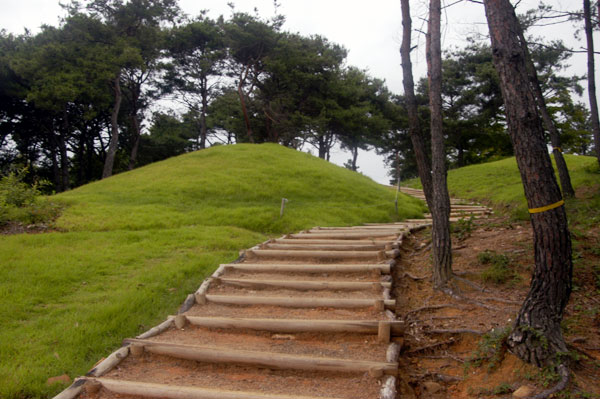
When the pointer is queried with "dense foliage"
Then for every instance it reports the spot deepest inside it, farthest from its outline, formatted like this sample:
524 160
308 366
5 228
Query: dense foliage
91 97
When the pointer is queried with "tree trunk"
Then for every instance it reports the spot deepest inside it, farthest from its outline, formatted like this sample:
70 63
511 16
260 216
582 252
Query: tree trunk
414 126
536 336
114 130
136 141
243 103
587 15
203 130
354 158
440 210
561 164
64 156
56 177
322 147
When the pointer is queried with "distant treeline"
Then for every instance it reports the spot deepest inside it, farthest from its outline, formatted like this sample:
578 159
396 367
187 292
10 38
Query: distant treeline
80 101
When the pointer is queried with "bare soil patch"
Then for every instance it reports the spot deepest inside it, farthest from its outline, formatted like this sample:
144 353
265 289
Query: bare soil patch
440 357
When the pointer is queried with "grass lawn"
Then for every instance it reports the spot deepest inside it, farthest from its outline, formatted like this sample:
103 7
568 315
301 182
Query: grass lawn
130 248
499 184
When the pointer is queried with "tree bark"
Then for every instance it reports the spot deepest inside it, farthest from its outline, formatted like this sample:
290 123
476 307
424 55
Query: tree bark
243 103
114 130
204 95
64 156
414 126
561 164
536 336
587 16
136 141
440 209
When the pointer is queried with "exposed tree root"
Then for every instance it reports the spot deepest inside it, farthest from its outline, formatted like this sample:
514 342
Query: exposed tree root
445 356
436 376
562 384
457 331
432 346
437 318
469 282
582 351
414 277
508 301
434 307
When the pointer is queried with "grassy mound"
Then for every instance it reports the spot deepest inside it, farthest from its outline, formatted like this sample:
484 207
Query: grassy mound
130 248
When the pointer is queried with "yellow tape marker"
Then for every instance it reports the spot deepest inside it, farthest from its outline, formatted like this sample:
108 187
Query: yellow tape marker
548 207
557 149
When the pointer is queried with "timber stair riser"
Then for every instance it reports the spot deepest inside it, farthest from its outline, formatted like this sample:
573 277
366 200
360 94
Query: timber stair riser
150 390
296 302
316 254
371 327
337 235
383 268
381 243
328 247
305 285
271 360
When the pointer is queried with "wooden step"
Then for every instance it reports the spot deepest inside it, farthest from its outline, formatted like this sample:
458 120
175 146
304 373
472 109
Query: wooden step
291 302
296 325
271 360
304 285
343 236
378 243
151 390
300 245
273 253
310 268
365 231
378 228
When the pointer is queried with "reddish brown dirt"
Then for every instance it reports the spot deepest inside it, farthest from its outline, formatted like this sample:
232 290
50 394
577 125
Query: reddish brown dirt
436 365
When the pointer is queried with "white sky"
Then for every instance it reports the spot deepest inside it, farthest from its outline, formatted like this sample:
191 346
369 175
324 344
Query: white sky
371 31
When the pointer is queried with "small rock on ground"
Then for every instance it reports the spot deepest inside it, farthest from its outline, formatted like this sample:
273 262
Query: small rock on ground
523 392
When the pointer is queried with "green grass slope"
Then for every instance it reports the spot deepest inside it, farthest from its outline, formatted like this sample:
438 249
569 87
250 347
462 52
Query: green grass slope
130 248
499 184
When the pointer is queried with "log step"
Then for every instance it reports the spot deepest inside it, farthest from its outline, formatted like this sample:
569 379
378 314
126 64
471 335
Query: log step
151 390
300 245
310 268
271 360
291 302
383 228
296 325
273 253
305 285
377 243
365 231
342 235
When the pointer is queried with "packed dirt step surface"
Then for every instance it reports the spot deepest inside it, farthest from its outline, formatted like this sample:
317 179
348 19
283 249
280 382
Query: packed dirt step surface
304 316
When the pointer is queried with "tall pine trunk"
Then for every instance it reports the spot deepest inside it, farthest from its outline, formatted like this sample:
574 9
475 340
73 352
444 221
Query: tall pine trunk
536 337
414 126
587 16
561 164
440 209
204 94
137 131
114 130
240 90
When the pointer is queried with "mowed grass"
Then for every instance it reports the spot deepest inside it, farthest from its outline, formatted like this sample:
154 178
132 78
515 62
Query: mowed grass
499 184
130 248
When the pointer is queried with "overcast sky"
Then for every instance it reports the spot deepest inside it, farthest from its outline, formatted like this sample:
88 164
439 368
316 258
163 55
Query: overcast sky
371 31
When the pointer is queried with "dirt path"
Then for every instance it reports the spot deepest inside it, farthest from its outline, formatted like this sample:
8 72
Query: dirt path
309 315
